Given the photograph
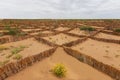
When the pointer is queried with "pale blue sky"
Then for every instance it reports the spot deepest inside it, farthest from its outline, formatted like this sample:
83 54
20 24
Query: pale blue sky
60 9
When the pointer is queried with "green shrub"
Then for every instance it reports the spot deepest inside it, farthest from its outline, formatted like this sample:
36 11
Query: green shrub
59 70
17 50
87 28
117 30
12 31
17 56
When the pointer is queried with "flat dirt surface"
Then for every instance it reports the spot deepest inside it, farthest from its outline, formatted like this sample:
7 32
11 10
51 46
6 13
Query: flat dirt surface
46 32
108 36
60 38
62 28
75 69
79 32
41 32
108 53
27 30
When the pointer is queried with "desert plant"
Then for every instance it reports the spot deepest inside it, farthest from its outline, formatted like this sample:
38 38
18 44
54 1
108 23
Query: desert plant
117 30
17 56
17 49
87 28
59 70
12 31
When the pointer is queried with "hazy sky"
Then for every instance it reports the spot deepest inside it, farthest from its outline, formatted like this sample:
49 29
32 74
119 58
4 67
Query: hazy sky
60 9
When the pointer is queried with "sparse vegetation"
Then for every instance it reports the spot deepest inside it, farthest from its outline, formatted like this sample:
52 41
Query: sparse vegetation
12 31
17 56
117 30
87 28
59 70
84 42
17 49
14 51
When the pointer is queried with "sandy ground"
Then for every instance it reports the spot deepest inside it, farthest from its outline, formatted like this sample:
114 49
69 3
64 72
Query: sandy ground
35 33
33 47
79 32
108 53
75 69
108 36
46 32
61 38
62 28
27 30
41 32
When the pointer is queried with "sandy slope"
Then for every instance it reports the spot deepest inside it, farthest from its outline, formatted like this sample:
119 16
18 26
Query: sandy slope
76 69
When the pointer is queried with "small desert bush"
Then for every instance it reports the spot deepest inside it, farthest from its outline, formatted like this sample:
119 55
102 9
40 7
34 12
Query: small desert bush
17 57
17 49
87 28
59 70
117 30
12 31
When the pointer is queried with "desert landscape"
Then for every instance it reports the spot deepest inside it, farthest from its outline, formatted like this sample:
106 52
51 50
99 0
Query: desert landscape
88 49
